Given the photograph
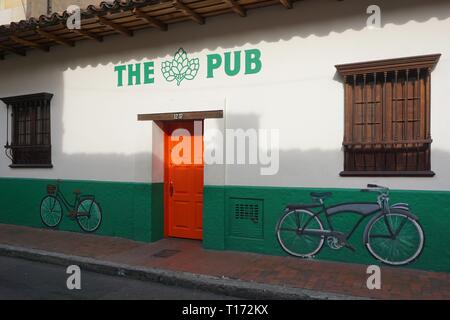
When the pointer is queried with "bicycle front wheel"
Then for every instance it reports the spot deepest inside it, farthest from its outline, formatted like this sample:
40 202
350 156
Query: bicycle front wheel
395 239
89 215
292 240
51 211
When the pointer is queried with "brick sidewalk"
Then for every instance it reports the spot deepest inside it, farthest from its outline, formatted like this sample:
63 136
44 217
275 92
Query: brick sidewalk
188 256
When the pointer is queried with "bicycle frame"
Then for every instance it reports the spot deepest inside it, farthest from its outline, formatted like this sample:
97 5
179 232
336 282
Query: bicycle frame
383 209
69 206
328 216
60 196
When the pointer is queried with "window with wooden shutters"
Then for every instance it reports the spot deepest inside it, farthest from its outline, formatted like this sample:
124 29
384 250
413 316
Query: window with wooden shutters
387 117
30 130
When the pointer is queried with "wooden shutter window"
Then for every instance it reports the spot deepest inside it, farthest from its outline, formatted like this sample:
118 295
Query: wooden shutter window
387 117
30 133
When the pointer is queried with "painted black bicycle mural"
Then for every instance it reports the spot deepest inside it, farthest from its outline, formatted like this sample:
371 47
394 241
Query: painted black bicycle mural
393 236
85 210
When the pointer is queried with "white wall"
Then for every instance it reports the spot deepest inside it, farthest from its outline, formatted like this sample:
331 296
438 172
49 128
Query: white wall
95 134
12 11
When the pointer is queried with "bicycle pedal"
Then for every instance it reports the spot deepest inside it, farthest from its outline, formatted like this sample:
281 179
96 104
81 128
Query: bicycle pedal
72 214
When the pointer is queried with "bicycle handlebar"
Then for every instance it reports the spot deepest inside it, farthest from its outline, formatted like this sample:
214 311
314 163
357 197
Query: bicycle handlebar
375 188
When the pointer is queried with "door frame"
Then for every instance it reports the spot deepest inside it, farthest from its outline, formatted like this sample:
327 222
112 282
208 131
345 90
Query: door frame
166 128
161 120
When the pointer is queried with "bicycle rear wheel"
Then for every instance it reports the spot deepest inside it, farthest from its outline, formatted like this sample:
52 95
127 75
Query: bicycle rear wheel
292 240
401 246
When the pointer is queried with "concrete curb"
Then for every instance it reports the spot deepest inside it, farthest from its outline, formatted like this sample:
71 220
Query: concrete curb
225 286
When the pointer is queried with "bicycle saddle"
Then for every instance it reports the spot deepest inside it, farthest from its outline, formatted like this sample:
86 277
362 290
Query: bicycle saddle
321 195
76 191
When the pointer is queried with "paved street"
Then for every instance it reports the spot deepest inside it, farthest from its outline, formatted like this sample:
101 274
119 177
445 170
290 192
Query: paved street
22 279
188 256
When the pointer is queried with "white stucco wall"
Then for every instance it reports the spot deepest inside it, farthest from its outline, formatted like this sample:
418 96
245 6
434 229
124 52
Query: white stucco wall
12 11
95 134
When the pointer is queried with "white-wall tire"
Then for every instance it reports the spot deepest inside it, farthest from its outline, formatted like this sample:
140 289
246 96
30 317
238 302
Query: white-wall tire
315 223
412 257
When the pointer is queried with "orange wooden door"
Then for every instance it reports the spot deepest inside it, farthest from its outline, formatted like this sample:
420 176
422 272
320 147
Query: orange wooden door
184 180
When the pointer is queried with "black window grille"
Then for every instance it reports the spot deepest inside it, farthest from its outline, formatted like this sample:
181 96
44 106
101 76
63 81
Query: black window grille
30 130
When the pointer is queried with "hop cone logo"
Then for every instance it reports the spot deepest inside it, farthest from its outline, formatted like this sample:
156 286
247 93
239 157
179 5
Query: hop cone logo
180 68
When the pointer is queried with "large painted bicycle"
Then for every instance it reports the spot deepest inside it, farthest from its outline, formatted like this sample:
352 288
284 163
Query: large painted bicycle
85 210
393 236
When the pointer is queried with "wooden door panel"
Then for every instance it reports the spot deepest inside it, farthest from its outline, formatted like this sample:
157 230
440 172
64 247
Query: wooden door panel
180 177
181 211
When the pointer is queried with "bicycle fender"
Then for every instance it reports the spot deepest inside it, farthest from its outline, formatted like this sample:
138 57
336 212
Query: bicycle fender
87 197
401 206
398 210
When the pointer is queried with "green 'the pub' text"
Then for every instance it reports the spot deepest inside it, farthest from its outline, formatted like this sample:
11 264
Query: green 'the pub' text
182 67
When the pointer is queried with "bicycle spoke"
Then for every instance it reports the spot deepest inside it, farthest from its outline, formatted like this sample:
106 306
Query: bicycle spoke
44 206
297 220
397 231
292 222
293 240
53 204
406 243
52 218
375 236
82 206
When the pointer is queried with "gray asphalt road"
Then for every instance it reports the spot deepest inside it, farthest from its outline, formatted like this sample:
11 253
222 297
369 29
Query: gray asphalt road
22 279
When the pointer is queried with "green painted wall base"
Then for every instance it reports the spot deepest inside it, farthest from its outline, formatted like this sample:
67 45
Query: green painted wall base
130 210
136 211
222 230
